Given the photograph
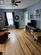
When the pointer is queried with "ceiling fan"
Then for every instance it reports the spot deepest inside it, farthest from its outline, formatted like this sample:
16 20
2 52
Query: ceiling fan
14 2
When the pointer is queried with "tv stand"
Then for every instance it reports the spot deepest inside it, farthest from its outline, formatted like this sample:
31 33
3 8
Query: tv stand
35 32
30 28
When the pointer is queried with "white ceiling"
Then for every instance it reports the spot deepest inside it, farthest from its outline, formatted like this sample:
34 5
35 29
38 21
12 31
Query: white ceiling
24 4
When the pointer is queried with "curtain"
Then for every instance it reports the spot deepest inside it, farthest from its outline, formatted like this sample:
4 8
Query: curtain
6 21
13 17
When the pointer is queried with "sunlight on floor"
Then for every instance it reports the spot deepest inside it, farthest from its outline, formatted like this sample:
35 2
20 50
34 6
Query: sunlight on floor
24 29
12 37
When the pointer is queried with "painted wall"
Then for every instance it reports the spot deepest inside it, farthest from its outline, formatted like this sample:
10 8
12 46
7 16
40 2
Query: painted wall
19 12
31 10
26 20
21 16
2 23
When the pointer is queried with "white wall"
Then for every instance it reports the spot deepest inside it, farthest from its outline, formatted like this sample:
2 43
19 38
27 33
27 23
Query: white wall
26 19
31 10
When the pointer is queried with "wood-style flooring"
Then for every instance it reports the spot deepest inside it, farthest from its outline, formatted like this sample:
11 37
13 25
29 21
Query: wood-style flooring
20 43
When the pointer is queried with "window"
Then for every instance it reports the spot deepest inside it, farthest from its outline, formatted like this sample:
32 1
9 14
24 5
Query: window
10 18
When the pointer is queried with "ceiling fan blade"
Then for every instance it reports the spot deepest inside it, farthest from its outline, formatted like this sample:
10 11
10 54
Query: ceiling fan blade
18 2
12 1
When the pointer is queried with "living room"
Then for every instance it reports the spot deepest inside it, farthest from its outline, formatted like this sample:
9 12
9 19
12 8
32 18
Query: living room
20 27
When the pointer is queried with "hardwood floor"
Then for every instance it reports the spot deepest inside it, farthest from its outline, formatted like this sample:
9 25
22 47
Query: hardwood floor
20 43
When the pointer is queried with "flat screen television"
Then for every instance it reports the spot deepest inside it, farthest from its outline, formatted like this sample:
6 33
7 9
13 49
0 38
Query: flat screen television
33 23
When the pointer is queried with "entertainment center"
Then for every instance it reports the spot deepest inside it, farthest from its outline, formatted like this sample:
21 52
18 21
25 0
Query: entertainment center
33 30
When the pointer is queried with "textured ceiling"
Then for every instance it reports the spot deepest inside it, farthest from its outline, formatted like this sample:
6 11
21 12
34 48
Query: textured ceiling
6 4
